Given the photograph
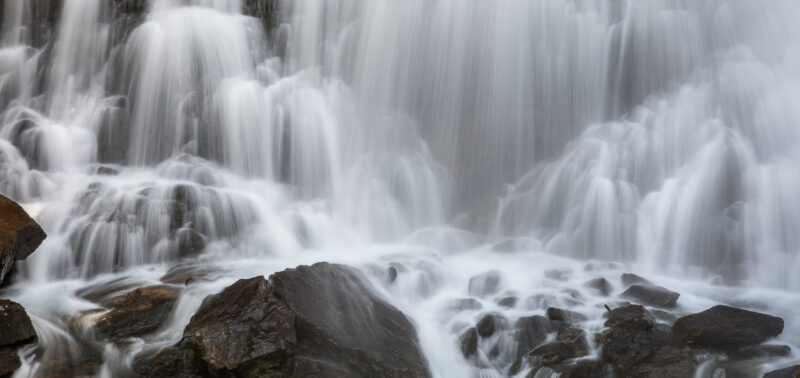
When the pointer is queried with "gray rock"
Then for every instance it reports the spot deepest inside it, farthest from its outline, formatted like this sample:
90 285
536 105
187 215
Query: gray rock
652 295
725 327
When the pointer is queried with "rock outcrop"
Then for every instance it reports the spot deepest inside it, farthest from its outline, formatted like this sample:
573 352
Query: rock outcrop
725 327
16 330
652 295
20 235
139 312
321 320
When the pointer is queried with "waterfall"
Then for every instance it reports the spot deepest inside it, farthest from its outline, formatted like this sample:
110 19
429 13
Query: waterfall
657 134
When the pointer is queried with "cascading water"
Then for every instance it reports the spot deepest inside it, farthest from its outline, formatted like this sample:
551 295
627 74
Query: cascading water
656 134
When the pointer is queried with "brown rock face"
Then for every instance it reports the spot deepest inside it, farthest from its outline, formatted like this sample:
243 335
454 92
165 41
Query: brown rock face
243 325
140 312
20 235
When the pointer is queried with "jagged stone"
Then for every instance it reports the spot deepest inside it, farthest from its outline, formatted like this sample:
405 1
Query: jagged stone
20 235
139 312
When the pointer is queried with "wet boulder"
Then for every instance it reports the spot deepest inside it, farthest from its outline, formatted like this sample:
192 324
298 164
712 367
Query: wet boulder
320 320
340 318
469 342
725 327
632 279
16 330
20 235
507 302
599 286
242 329
531 331
652 295
138 313
636 348
762 351
575 339
490 323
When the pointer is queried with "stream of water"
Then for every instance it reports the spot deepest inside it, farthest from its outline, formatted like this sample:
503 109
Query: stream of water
444 138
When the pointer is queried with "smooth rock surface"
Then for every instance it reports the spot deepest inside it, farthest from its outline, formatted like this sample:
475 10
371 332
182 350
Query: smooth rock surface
139 312
725 327
652 295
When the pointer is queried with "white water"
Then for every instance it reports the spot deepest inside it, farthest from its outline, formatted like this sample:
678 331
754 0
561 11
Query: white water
660 134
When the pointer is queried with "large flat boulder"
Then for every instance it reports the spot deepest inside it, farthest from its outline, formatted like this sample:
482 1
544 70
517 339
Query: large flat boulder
322 320
20 235
725 327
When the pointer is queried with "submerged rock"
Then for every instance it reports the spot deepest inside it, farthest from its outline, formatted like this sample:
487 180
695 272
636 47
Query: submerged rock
469 342
652 295
484 284
632 279
139 312
490 323
321 320
551 354
20 235
725 327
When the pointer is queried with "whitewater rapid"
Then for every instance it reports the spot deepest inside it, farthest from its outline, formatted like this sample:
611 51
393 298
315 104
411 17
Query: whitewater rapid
659 135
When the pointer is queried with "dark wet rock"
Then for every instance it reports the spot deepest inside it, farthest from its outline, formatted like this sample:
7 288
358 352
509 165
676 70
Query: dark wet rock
15 324
762 351
637 348
590 369
243 328
507 302
564 316
320 320
392 274
556 274
469 342
490 323
170 362
265 10
725 327
184 274
632 316
16 329
789 372
575 339
20 235
485 284
652 295
339 316
139 312
632 279
9 360
600 286
465 304
551 354
531 331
